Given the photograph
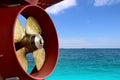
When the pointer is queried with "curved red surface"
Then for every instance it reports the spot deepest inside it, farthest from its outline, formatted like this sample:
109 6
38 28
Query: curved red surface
9 64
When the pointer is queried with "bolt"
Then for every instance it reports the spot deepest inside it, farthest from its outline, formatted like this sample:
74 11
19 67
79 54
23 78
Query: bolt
1 55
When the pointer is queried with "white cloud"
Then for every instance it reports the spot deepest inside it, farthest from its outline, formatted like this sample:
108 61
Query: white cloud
61 6
89 43
105 2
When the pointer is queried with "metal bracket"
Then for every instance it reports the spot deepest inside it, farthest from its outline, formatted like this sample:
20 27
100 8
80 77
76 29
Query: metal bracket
13 78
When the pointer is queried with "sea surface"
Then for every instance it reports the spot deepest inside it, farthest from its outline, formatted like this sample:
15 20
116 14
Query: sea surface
87 64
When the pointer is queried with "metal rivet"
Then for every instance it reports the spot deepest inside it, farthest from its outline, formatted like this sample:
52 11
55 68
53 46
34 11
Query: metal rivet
43 4
1 55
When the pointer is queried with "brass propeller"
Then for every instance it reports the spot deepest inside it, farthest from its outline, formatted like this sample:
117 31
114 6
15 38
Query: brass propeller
19 32
32 26
29 40
22 58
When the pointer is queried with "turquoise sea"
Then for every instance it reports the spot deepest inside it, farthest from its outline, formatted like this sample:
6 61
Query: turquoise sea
85 64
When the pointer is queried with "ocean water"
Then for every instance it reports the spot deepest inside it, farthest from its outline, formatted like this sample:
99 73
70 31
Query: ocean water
87 64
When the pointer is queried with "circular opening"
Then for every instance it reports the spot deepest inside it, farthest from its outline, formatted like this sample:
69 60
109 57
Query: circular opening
22 42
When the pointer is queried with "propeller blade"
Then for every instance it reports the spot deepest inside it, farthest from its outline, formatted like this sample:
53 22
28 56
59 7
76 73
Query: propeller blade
39 57
19 32
22 58
32 26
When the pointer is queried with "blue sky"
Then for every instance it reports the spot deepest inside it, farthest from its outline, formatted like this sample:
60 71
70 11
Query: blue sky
87 23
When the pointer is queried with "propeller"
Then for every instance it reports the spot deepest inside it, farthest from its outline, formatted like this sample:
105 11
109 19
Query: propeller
28 41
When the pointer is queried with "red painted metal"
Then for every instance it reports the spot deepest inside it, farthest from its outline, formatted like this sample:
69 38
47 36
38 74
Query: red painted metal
42 3
9 64
47 3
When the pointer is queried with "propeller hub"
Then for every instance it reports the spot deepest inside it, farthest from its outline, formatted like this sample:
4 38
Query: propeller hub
39 42
32 42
